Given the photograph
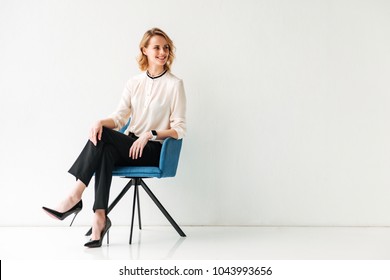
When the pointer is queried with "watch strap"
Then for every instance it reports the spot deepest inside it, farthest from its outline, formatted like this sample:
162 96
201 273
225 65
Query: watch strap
154 134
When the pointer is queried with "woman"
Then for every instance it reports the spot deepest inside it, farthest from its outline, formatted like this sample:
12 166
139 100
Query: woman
156 103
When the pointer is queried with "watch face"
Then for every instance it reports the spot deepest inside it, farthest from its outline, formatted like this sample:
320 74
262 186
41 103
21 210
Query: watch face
154 133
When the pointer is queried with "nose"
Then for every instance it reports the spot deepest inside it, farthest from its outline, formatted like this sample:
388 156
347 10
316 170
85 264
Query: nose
163 51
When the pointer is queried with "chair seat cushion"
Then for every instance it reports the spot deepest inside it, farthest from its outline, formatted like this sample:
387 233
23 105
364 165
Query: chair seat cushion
137 171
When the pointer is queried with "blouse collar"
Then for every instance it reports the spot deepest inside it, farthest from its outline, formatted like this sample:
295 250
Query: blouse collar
158 76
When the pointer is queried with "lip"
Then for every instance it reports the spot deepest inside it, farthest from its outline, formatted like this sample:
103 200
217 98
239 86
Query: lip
161 60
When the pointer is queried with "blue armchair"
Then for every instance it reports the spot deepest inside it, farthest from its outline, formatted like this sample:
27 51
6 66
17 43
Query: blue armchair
169 159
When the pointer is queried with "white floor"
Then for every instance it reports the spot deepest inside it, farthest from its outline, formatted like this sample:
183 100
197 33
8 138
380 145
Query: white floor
228 243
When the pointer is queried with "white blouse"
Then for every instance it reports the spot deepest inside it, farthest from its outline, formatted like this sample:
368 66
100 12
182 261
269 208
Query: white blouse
153 103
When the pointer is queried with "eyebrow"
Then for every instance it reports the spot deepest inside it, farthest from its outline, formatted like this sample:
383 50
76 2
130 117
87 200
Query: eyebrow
167 45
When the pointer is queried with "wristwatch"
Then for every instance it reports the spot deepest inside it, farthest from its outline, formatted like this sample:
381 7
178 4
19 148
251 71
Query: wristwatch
154 134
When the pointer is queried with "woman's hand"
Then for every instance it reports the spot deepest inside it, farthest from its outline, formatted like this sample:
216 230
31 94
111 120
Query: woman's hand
138 146
95 133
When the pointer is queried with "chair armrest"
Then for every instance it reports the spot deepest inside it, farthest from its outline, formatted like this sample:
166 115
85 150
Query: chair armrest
169 157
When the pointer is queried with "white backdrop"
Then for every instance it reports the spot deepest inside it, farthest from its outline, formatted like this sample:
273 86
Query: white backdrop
287 107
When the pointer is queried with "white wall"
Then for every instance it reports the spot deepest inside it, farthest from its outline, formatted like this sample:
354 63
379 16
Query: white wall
288 119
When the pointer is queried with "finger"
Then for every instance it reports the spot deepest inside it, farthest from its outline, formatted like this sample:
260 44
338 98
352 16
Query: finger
94 141
135 148
131 152
91 139
135 153
139 149
100 132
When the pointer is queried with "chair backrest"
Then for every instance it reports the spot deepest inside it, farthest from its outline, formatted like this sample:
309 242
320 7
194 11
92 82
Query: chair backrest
123 129
170 154
169 157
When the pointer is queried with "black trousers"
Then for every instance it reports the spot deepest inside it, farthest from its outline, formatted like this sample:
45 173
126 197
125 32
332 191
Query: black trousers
100 160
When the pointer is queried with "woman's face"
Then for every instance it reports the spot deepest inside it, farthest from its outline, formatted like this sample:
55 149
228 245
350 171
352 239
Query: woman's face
157 51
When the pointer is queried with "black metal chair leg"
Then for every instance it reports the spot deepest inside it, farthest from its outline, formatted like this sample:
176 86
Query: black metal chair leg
115 202
134 202
162 209
139 209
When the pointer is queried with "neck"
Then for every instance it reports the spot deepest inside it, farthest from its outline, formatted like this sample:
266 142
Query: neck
155 71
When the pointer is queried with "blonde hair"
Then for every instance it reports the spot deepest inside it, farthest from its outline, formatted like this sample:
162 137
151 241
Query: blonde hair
143 59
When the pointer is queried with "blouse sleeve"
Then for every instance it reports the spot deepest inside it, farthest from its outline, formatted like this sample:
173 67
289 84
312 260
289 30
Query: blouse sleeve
123 111
178 110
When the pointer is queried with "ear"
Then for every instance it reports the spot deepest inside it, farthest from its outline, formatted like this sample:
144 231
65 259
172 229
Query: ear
144 50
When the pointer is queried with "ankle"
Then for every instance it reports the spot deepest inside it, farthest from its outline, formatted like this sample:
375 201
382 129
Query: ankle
100 215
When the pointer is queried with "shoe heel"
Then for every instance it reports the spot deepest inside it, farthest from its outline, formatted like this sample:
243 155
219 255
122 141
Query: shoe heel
108 237
74 217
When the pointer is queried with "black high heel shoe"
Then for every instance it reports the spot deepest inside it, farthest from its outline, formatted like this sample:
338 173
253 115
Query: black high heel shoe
61 216
98 243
